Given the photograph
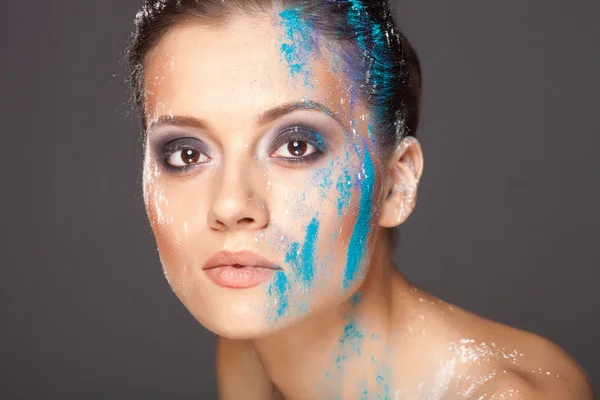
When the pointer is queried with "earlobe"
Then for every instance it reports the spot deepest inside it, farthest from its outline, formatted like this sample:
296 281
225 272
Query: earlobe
404 170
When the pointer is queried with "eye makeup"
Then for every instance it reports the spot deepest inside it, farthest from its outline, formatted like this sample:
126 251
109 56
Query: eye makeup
192 151
295 135
179 153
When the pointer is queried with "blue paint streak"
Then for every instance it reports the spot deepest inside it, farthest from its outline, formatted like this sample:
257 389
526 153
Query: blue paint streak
344 184
358 241
292 255
344 188
371 134
320 140
279 288
373 44
356 299
303 261
382 379
299 42
323 178
362 386
353 336
307 272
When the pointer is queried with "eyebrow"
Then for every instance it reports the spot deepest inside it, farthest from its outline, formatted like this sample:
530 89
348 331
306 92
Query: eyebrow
287 108
263 119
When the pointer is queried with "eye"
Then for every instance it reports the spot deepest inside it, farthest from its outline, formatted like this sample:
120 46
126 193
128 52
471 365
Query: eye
181 154
298 144
186 157
297 148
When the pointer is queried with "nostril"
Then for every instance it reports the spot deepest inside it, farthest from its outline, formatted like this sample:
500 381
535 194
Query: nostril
246 220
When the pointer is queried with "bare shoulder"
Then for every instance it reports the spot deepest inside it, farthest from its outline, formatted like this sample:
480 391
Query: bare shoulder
240 373
546 371
491 360
515 384
525 365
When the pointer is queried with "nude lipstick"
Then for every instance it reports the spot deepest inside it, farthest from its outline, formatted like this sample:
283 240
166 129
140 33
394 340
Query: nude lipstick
239 270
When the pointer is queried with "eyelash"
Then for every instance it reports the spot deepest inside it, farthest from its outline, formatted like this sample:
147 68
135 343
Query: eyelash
174 147
318 146
180 145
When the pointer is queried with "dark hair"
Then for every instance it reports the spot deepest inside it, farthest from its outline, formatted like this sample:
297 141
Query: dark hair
376 55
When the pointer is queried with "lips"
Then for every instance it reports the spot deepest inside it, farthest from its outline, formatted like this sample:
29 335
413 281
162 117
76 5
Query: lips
244 258
239 270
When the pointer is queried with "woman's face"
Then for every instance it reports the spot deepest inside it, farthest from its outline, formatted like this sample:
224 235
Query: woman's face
254 142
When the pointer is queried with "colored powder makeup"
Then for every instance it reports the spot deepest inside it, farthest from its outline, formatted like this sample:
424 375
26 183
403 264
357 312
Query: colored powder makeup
352 337
303 261
382 379
279 290
371 134
344 187
358 241
322 178
298 43
349 347
373 41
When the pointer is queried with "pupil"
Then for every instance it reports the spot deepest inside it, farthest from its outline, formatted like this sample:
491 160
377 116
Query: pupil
190 156
297 148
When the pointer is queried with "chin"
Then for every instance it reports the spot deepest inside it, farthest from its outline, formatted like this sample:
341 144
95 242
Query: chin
240 331
237 316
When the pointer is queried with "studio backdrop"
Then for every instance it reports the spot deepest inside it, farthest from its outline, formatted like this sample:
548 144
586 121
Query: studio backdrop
506 222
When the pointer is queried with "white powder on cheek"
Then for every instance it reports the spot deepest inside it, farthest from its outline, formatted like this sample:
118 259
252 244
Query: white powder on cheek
154 198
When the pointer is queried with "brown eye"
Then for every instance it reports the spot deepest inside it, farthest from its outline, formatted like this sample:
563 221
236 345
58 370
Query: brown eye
186 157
190 156
296 148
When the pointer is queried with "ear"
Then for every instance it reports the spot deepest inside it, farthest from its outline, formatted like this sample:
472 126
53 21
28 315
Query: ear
403 172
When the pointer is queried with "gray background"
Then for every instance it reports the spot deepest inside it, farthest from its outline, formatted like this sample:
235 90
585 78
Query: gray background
506 223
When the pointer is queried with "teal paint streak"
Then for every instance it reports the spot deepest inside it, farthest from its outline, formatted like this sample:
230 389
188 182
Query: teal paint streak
292 255
356 299
362 389
373 44
299 42
349 346
344 184
352 336
323 180
350 342
279 288
344 188
320 140
307 272
384 390
358 241
382 380
371 134
303 261
357 19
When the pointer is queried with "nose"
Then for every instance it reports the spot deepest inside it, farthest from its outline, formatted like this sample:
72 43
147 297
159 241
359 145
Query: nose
237 201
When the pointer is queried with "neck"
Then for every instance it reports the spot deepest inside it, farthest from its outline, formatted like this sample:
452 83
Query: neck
339 339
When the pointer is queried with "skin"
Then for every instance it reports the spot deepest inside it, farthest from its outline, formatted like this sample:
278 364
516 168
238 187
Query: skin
379 336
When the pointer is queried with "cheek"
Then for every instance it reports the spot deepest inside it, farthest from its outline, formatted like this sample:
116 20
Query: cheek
173 224
304 207
353 211
330 216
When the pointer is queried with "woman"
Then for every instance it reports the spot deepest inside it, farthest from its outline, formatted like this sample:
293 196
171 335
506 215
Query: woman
280 154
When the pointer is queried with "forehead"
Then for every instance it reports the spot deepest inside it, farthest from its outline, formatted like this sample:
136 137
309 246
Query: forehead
243 66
